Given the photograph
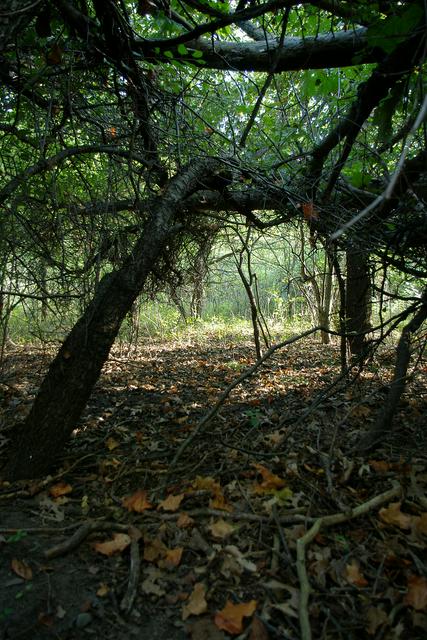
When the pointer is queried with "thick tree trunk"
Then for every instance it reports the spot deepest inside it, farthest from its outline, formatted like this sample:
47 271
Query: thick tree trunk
384 421
341 311
76 368
358 299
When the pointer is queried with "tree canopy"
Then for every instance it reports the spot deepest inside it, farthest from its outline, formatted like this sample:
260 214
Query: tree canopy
311 109
130 128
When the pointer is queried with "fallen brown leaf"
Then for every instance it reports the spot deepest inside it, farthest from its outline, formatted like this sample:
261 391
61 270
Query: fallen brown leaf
353 574
60 489
173 557
196 604
376 617
111 444
154 549
270 481
218 501
258 630
394 516
230 618
171 503
137 502
117 544
221 529
103 590
184 521
22 569
380 466
416 596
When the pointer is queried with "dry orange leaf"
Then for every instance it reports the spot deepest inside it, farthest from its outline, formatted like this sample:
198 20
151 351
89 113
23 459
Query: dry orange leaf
270 482
219 502
22 569
380 466
171 503
416 596
393 515
137 502
196 604
60 489
117 544
221 529
103 590
154 549
173 557
309 212
353 574
184 521
230 619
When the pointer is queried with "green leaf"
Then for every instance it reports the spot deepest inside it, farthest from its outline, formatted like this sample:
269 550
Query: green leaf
383 116
356 173
177 64
389 33
168 54
197 54
182 50
284 495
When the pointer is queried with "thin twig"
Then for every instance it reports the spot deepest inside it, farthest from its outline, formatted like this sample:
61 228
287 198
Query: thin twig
302 543
134 571
292 518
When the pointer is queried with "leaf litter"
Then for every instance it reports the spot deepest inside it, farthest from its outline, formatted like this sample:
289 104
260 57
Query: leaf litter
208 549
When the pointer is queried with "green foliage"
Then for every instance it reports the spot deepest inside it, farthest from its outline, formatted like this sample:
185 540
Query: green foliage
390 31
383 116
62 228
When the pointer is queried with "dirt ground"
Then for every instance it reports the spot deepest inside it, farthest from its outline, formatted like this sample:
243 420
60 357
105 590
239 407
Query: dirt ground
125 540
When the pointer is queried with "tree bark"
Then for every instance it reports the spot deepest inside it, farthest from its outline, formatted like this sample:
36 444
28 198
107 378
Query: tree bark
325 50
384 421
73 373
358 299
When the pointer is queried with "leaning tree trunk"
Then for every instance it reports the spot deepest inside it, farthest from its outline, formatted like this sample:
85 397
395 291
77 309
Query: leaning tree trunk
73 373
384 422
358 299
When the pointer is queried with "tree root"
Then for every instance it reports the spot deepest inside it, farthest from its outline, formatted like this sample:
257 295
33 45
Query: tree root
90 527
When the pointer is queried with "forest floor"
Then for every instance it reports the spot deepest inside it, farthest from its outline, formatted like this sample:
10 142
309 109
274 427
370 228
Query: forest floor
123 541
